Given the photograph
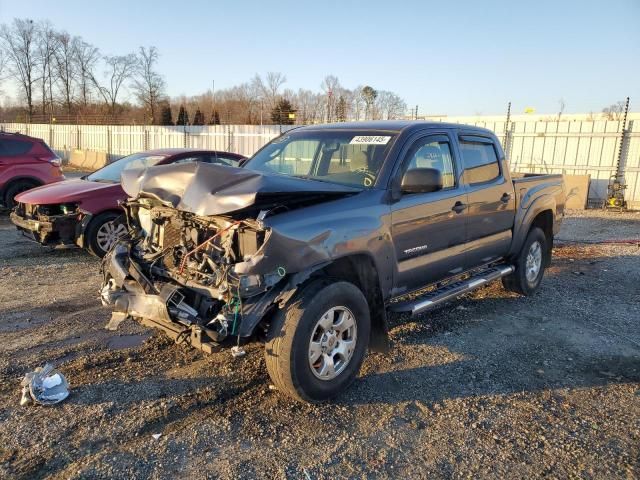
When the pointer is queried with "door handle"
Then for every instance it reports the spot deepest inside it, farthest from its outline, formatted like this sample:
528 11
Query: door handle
459 207
505 197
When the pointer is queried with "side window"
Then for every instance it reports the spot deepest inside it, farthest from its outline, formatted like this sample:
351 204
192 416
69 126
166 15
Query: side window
11 147
222 160
480 162
144 162
430 153
193 159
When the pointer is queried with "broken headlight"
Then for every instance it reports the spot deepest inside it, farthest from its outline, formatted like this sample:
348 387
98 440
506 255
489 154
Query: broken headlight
68 208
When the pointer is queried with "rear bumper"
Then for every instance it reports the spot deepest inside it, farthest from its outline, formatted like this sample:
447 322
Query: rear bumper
58 230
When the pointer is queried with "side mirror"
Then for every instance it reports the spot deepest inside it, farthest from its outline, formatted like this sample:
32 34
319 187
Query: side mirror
421 180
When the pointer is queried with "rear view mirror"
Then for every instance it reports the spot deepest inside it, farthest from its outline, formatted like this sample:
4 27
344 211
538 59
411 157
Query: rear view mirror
421 180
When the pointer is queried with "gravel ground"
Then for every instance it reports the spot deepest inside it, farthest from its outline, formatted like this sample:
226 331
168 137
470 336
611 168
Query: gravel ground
493 385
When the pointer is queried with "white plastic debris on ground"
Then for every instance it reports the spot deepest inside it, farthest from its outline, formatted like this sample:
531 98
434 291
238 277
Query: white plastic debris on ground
46 386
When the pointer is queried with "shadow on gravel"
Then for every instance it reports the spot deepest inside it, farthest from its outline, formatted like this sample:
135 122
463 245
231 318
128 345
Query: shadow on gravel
128 393
464 379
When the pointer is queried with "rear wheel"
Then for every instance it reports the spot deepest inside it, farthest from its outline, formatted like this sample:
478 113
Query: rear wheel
317 343
529 265
16 188
104 231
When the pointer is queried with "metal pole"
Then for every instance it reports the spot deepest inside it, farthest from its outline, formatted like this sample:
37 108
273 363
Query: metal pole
623 135
506 127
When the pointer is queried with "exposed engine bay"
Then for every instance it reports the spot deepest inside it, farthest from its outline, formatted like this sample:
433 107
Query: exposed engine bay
181 269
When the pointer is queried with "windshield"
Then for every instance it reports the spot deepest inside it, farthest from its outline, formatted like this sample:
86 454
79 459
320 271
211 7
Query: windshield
111 173
346 157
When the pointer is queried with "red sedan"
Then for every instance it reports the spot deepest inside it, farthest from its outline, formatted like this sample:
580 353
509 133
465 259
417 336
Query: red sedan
84 212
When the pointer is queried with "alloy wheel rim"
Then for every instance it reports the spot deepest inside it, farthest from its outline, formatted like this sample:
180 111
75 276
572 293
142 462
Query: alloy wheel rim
332 343
534 262
108 234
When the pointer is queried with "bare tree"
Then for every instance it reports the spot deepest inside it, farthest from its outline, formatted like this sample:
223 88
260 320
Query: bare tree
118 69
331 88
369 95
19 44
86 57
3 62
561 106
46 46
66 67
614 111
270 86
148 84
388 106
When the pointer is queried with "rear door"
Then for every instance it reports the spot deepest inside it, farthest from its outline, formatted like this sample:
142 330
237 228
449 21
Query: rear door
491 200
13 151
429 229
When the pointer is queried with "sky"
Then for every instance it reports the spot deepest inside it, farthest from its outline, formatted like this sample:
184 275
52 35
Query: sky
449 58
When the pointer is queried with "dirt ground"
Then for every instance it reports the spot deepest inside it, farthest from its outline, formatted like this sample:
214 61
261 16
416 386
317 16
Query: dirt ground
493 385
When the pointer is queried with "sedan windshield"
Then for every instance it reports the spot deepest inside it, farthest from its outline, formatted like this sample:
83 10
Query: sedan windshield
352 158
111 173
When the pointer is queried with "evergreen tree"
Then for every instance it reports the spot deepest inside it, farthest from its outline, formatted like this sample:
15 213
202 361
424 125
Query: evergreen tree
215 118
341 109
282 113
198 118
183 116
165 115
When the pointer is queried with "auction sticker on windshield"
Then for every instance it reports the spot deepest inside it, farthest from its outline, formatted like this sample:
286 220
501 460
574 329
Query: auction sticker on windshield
370 140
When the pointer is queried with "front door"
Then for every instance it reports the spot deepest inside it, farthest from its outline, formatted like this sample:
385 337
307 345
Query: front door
429 229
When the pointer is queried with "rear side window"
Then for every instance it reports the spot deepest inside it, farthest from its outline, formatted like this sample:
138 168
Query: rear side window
11 147
480 162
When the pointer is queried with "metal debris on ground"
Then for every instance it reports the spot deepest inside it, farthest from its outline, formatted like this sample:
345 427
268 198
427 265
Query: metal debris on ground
156 436
45 385
238 352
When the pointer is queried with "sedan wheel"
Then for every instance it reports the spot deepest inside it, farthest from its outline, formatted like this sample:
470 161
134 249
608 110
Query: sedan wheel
108 234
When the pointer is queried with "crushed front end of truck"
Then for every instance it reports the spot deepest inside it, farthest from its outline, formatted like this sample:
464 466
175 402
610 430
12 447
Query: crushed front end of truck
199 262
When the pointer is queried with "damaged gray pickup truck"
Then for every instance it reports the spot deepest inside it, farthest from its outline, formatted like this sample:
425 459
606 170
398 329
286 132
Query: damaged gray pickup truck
324 231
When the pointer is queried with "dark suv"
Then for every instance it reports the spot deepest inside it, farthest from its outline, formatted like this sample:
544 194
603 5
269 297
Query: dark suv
25 162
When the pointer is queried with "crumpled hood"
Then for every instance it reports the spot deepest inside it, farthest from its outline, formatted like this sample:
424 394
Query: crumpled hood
209 189
63 192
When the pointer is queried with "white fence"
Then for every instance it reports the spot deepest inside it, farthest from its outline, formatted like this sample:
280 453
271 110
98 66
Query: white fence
574 147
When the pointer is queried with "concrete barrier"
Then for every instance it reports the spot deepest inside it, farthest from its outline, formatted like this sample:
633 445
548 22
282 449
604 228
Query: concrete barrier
87 159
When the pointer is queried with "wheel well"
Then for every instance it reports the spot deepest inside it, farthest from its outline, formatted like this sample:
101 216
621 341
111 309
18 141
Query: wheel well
361 271
94 216
544 221
32 180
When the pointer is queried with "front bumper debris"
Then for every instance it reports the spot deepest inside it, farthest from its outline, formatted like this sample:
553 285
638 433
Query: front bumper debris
133 296
58 230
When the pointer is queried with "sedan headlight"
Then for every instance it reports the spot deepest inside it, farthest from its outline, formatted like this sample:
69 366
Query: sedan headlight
68 208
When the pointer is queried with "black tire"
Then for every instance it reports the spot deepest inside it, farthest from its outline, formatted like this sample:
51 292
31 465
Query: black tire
518 281
95 244
288 347
16 188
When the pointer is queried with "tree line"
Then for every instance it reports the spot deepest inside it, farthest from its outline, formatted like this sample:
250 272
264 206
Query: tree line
63 78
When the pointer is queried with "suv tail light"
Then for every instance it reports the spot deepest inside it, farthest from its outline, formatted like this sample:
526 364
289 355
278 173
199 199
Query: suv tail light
56 161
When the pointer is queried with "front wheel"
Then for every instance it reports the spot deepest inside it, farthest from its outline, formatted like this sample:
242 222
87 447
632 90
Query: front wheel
529 265
104 231
317 343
